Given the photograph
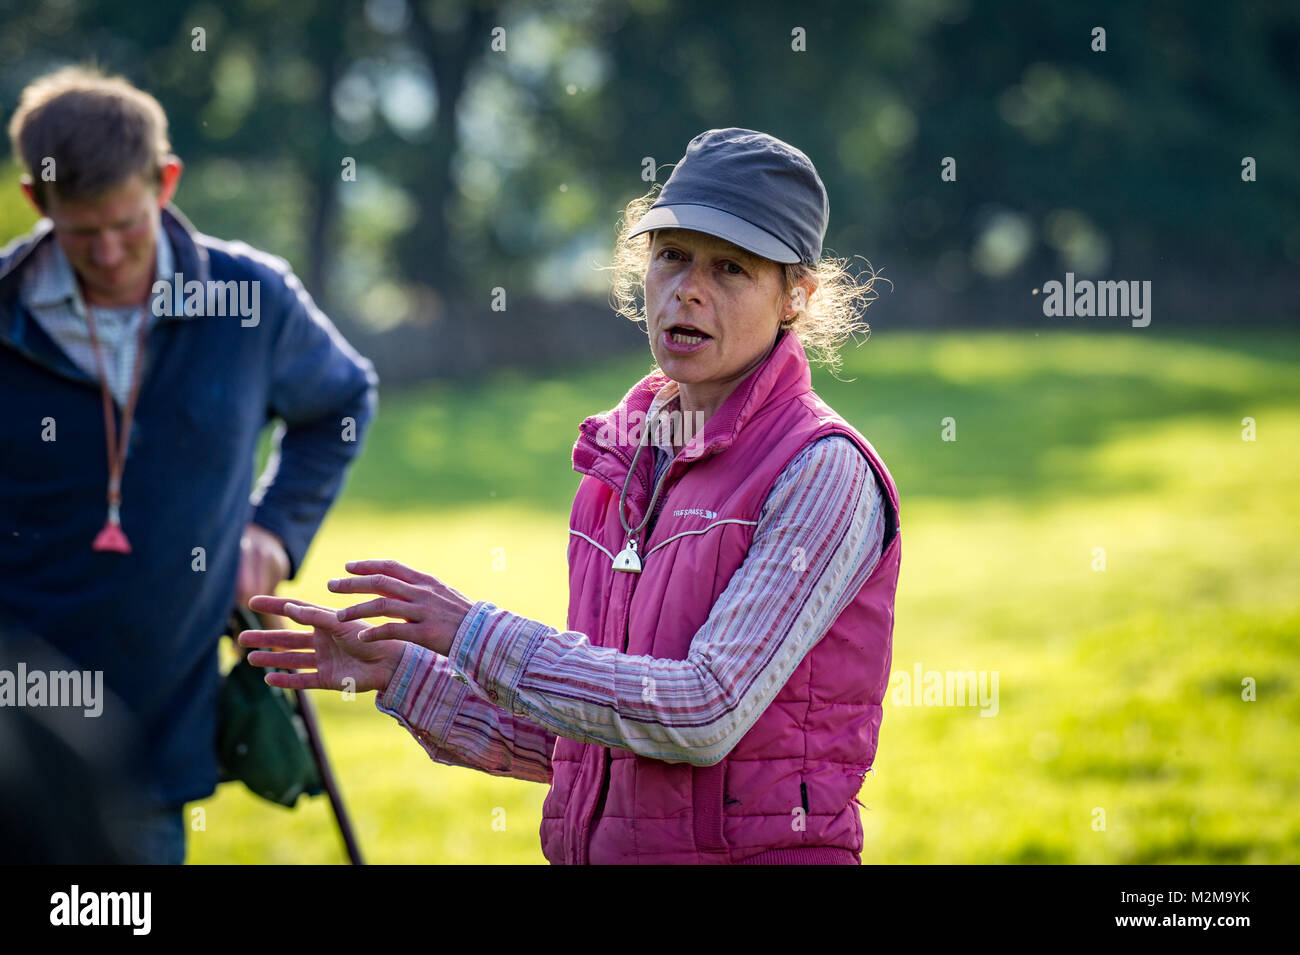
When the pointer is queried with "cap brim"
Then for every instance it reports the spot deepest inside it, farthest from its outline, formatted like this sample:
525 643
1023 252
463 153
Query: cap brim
715 222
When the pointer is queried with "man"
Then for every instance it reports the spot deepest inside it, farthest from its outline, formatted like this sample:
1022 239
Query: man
140 362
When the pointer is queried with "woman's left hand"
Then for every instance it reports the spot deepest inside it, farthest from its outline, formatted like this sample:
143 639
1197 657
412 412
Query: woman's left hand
432 611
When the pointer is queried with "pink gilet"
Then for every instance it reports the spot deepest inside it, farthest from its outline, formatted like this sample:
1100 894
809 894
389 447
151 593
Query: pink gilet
787 792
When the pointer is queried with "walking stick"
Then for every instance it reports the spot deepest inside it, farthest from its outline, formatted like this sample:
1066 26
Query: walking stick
251 621
308 714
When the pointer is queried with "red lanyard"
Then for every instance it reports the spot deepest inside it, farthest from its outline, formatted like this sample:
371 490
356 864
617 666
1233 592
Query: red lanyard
111 537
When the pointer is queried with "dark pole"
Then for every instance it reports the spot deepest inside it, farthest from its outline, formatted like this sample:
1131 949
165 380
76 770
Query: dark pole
308 714
248 620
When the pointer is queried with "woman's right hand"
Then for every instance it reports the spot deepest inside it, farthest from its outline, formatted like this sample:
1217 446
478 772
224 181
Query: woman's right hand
341 661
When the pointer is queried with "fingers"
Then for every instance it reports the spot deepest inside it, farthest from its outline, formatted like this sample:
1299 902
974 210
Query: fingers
388 631
312 616
275 639
296 681
267 603
390 568
375 584
381 607
286 661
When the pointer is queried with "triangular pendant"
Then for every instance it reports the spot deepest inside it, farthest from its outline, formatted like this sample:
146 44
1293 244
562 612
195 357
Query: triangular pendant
627 559
112 539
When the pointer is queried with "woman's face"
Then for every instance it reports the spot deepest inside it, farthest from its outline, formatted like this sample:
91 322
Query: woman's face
730 299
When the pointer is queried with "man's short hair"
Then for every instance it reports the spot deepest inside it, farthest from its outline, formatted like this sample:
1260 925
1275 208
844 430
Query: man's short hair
98 130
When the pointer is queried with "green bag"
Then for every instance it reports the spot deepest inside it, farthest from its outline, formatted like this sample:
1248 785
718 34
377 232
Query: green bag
261 739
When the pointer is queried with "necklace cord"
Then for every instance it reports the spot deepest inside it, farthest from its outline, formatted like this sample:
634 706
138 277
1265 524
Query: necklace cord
627 482
117 446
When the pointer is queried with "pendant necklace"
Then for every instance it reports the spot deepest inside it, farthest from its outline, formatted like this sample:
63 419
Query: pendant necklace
627 559
111 537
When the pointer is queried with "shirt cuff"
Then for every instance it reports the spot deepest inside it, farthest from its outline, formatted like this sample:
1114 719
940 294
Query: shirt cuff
492 648
422 699
415 659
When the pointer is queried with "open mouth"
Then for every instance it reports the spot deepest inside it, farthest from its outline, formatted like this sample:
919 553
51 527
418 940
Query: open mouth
682 334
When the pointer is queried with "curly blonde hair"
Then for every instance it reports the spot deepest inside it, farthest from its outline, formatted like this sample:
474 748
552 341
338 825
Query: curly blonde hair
831 315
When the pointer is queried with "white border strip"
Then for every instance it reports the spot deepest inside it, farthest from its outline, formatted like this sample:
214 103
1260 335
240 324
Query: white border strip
702 530
590 541
728 520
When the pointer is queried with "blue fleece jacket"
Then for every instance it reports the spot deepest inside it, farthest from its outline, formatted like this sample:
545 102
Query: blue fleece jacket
150 619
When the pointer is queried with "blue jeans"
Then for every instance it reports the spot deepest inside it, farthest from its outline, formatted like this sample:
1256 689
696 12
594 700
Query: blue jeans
155 837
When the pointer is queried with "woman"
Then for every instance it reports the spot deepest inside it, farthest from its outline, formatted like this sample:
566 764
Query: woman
717 695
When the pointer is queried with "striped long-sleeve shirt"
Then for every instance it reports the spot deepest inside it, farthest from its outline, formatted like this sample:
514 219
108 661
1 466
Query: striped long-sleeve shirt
510 685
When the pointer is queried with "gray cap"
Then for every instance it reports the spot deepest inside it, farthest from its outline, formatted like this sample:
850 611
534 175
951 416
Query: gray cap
749 188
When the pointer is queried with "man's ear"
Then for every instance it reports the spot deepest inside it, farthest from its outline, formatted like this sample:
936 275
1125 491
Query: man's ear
169 179
26 182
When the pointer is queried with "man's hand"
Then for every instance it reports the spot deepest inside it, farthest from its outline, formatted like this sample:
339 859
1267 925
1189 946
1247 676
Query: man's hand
263 563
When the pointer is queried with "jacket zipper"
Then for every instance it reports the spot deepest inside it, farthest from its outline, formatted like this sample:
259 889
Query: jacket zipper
627 626
609 758
627 620
606 756
581 854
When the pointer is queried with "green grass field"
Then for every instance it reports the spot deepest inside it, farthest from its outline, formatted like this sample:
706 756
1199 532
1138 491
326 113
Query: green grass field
1120 689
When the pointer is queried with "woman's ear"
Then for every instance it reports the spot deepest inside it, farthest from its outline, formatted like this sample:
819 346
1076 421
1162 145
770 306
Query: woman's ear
798 299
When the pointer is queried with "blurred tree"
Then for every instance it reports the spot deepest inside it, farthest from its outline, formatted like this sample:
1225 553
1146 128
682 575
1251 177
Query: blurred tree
495 143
